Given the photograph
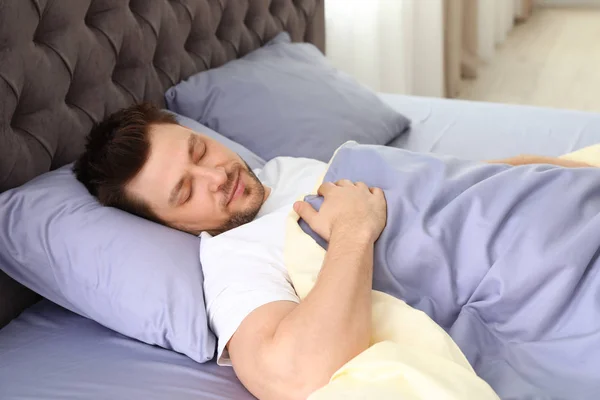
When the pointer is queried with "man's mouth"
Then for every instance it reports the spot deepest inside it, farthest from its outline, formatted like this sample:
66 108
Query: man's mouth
237 188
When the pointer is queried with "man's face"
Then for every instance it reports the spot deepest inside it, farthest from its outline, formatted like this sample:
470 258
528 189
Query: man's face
194 183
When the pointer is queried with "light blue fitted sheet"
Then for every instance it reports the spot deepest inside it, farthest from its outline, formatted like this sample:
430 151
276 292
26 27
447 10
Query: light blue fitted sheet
49 353
483 131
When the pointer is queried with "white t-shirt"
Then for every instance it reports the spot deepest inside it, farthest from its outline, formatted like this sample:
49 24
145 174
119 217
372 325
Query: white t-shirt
244 268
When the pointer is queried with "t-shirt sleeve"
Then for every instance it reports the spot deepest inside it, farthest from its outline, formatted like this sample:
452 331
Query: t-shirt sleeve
239 276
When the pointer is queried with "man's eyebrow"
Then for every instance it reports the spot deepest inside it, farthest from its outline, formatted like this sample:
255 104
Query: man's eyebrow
192 140
175 192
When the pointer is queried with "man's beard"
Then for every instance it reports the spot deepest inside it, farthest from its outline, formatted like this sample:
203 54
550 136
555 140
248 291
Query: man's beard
248 215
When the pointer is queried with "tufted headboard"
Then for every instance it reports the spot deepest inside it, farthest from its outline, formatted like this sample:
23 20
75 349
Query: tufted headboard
66 64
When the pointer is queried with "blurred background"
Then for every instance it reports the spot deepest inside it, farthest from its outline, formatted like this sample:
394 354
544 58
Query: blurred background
535 52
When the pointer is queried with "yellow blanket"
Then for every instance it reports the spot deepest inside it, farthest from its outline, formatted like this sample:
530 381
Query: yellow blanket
589 155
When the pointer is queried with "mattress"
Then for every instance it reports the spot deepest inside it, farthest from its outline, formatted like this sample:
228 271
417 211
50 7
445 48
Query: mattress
51 353
484 131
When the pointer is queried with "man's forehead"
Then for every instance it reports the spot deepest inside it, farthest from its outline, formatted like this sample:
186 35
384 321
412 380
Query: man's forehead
162 132
168 153
169 130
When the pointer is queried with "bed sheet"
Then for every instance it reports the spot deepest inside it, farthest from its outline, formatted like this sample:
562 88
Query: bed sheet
483 131
50 353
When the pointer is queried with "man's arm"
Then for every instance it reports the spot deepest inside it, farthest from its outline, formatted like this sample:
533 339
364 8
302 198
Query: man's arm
284 350
525 159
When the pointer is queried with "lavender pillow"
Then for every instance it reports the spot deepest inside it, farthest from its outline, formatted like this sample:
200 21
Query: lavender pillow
286 99
136 277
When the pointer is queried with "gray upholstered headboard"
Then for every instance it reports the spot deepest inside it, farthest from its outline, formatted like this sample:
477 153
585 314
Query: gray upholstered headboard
65 64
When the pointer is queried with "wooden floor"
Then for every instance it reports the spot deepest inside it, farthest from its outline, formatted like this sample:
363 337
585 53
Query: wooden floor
552 60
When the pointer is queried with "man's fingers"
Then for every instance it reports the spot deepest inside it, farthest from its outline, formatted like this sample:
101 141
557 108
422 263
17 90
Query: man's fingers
361 185
344 182
305 211
325 188
376 190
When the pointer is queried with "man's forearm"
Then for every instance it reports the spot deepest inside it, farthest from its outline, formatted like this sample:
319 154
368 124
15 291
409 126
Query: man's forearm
333 323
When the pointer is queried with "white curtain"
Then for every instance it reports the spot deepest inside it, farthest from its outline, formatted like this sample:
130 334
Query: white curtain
495 20
394 46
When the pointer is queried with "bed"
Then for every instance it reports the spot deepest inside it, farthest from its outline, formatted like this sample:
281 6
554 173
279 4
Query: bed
66 64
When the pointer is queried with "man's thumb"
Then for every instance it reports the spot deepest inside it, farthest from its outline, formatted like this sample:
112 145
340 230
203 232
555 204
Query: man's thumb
305 211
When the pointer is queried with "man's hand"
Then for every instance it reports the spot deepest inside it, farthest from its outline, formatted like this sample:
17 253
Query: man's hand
347 207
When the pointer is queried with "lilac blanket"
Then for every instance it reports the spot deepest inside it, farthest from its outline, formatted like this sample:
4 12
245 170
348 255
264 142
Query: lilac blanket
504 258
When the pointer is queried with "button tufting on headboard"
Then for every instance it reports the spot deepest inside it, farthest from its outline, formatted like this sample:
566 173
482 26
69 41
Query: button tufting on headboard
66 64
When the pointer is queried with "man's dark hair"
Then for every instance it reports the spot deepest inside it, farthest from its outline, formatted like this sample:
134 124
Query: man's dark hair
116 150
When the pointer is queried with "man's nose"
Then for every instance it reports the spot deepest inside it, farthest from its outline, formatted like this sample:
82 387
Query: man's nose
214 177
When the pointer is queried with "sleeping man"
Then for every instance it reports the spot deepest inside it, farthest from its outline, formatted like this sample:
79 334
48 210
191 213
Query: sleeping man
444 213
